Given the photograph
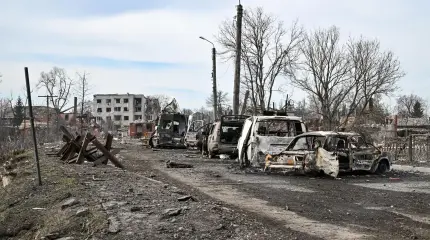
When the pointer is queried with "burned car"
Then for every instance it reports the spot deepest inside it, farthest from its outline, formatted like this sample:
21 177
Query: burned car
330 152
191 138
224 135
170 131
262 135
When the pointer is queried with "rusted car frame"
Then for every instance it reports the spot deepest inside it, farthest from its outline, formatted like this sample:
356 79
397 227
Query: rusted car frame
330 152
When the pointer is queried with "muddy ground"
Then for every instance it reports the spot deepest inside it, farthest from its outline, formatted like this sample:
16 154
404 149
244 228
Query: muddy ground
150 201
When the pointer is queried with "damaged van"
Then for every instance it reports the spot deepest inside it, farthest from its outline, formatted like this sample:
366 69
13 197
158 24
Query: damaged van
262 135
191 138
330 152
224 135
170 131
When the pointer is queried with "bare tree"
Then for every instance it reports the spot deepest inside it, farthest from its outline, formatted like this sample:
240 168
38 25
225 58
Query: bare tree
56 83
405 104
325 72
82 89
268 52
223 102
374 74
344 76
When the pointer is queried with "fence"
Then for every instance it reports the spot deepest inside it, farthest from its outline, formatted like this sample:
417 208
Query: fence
414 148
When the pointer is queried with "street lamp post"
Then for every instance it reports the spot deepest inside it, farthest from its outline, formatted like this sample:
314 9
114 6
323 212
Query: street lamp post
214 91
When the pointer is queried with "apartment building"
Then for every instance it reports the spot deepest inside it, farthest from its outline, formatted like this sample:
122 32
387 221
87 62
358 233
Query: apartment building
120 110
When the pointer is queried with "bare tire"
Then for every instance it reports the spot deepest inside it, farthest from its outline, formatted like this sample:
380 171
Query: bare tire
382 167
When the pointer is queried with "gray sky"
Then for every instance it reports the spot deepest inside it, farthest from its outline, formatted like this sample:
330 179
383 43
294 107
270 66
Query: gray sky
152 47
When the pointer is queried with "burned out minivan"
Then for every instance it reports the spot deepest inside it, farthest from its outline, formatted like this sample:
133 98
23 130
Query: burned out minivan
224 135
270 134
170 131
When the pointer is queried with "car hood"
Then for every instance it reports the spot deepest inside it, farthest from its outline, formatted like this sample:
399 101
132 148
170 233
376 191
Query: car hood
273 145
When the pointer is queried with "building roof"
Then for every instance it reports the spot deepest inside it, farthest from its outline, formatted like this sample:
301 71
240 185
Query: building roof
117 95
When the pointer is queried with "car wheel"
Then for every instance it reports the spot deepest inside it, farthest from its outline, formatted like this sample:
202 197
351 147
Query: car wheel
382 167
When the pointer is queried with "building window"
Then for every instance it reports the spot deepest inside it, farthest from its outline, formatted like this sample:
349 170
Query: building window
98 119
137 117
125 100
108 118
125 109
149 117
126 118
108 109
117 100
66 117
137 109
108 101
99 101
117 117
117 109
99 110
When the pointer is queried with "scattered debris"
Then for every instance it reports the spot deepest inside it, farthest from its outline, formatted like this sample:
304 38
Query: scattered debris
224 156
170 164
287 208
136 209
392 178
114 224
82 212
186 198
171 212
69 202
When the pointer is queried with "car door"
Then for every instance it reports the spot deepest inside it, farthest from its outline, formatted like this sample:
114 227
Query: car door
211 137
244 139
361 152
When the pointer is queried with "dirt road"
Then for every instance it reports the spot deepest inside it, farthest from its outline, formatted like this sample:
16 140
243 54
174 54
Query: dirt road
360 206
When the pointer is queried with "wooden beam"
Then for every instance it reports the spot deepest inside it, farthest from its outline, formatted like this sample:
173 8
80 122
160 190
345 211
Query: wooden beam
109 140
82 151
104 158
66 132
105 152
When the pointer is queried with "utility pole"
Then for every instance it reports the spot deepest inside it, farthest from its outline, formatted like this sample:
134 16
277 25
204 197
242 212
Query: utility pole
236 88
47 111
33 129
214 90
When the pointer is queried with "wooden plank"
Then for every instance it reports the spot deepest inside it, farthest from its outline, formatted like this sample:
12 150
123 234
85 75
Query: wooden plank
109 140
88 139
104 158
105 152
66 132
66 152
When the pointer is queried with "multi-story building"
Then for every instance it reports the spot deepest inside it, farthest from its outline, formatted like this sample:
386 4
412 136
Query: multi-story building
119 110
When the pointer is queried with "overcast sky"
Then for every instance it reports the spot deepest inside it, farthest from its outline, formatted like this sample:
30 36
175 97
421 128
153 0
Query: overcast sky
152 47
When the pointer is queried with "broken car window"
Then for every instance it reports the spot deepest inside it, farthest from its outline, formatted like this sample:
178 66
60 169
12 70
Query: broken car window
308 143
277 127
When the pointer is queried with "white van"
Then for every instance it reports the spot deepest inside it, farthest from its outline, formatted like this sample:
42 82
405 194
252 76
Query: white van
262 135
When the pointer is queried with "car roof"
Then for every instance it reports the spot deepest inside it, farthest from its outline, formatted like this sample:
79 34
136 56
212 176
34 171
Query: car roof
328 133
277 117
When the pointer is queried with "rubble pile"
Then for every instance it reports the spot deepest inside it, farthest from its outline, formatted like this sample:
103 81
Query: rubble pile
76 149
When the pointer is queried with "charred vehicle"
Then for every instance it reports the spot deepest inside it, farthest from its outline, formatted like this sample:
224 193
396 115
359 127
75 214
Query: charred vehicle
170 131
262 135
330 152
224 135
202 138
191 138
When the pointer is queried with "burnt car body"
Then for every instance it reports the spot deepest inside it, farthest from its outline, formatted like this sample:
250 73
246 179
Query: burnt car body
330 152
202 138
224 135
262 135
170 131
191 137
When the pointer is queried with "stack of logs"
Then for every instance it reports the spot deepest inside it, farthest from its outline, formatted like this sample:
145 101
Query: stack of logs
75 149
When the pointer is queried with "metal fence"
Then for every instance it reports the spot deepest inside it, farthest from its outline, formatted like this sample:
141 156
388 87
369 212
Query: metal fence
414 148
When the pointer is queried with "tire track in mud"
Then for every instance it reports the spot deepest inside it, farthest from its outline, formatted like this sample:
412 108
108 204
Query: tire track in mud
232 196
